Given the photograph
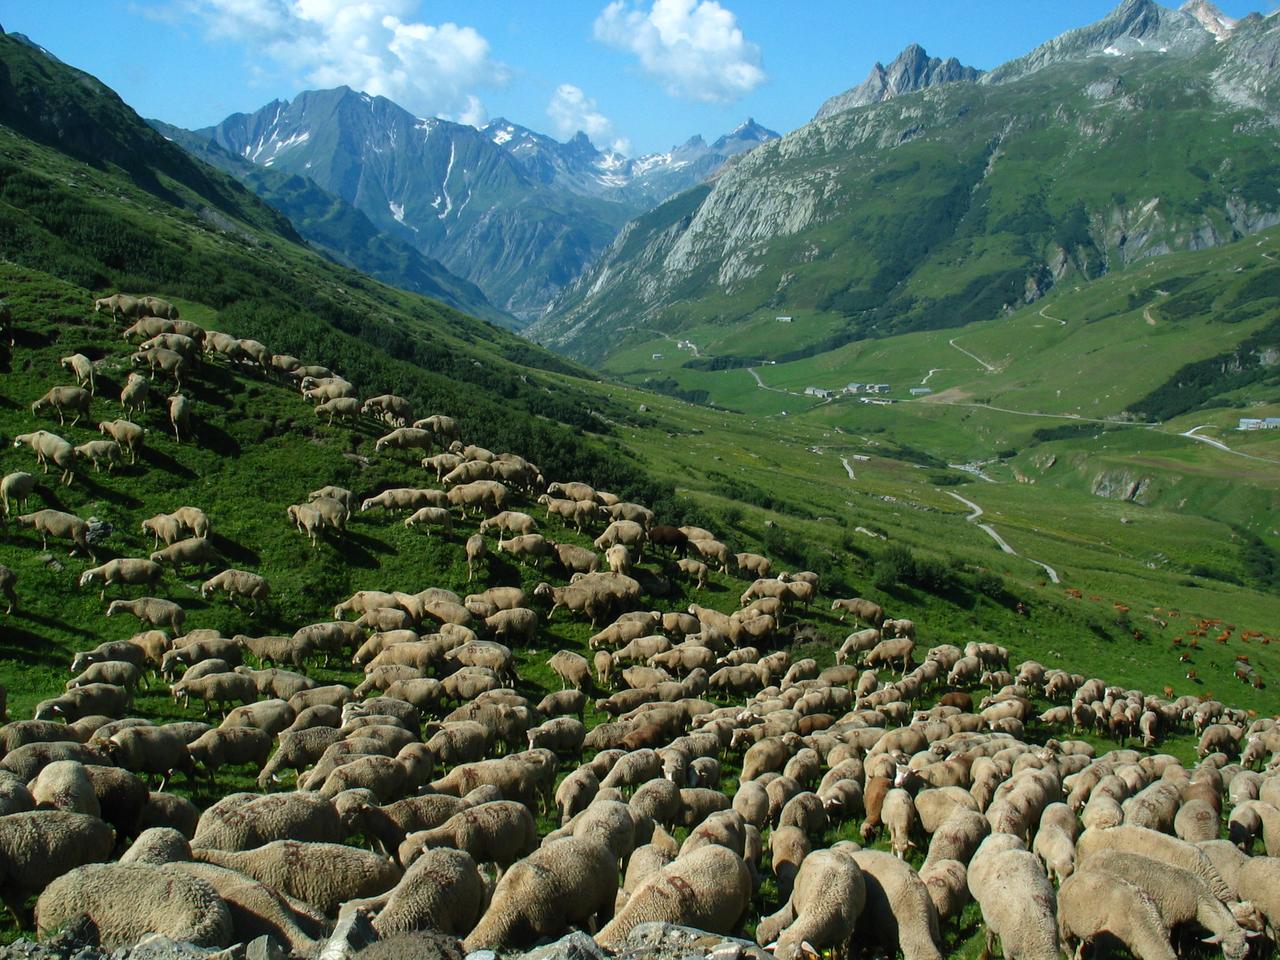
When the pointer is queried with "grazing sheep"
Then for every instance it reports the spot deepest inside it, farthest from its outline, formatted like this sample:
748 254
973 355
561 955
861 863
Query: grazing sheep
405 438
572 669
38 847
216 688
404 498
157 307
126 901
499 832
390 408
1017 901
168 362
50 447
510 522
865 610
194 551
898 912
242 821
1157 846
238 583
230 746
63 526
322 875
7 579
132 572
121 306
563 884
64 785
151 610
179 414
695 569
431 517
62 399
708 888
486 496
948 884
16 488
117 672
1179 895
99 452
134 394
1093 903
348 408
194 520
443 891
576 559
151 751
821 911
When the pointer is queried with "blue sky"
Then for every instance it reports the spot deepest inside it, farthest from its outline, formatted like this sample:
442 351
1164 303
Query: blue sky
641 74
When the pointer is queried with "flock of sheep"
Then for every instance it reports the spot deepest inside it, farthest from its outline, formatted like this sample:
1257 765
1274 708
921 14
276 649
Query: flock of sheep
416 793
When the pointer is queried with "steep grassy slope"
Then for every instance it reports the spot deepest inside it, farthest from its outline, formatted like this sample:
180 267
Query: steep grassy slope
946 206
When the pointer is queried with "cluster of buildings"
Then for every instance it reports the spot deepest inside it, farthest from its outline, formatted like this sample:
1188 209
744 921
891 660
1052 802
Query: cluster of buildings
849 390
1255 423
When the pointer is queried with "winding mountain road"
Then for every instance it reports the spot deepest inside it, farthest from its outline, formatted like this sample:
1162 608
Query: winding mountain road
848 468
1000 541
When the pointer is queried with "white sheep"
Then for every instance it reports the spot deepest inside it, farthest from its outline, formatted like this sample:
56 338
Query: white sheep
82 367
179 415
50 447
98 452
16 488
431 517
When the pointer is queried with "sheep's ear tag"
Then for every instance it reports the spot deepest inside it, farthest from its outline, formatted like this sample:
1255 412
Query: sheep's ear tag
1212 941
810 950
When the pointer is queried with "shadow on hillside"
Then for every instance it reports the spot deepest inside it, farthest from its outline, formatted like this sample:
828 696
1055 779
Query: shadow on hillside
359 550
214 438
24 646
43 621
98 492
504 573
235 552
162 461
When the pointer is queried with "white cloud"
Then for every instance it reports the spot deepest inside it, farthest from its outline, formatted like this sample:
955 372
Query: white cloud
572 110
365 44
694 47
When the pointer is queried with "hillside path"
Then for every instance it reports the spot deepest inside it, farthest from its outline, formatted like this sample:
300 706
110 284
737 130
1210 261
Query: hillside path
1047 317
848 467
1000 541
972 356
1193 435
791 393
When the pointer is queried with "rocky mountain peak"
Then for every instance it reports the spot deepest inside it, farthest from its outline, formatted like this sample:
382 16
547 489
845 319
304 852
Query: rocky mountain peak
1134 27
1210 17
911 70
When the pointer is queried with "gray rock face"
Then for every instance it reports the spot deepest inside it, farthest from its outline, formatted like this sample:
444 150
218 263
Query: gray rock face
913 69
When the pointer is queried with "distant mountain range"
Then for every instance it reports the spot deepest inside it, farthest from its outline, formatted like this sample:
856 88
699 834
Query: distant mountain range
932 195
513 212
